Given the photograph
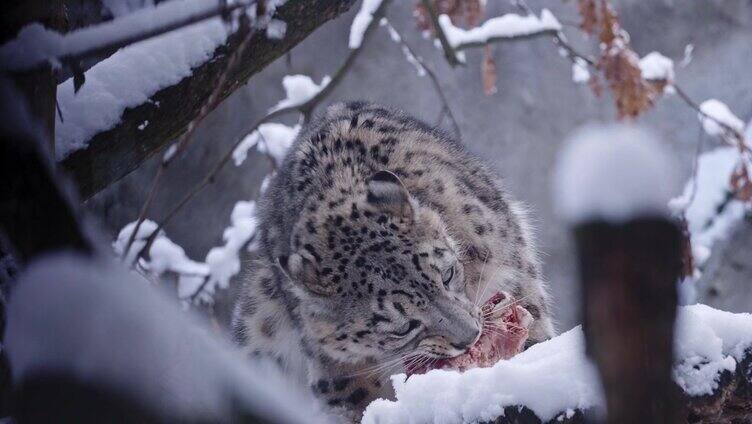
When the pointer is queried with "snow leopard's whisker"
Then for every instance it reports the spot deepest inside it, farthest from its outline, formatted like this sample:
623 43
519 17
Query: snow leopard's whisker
480 280
489 281
390 362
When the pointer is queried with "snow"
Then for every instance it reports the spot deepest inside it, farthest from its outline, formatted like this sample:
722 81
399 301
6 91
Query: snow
719 111
655 66
548 378
411 59
580 73
298 90
276 29
506 26
710 190
272 138
221 263
614 173
224 261
555 377
100 324
361 21
147 227
708 342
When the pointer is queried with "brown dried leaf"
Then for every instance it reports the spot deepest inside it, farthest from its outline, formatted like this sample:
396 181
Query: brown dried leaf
610 29
595 85
631 93
589 13
740 183
488 72
687 259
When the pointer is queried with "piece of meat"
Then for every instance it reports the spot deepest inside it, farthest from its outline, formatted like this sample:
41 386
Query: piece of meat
505 331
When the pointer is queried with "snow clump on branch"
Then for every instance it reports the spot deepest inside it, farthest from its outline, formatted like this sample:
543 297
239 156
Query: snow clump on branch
298 90
361 21
272 139
510 25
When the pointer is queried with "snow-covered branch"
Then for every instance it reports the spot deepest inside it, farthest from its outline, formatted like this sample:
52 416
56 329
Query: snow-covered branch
164 81
196 281
501 28
37 46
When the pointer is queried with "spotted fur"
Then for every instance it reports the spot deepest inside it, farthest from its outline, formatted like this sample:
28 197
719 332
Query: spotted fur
380 238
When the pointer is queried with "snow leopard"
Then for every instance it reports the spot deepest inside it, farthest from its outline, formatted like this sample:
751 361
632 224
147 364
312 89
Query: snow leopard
380 237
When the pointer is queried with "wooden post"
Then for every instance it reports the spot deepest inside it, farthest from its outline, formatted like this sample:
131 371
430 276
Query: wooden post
629 273
40 86
613 186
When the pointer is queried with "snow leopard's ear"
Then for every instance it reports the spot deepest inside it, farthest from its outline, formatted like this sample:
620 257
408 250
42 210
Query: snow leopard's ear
387 193
304 270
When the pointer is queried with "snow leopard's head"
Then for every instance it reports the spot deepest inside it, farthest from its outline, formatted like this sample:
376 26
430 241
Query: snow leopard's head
377 277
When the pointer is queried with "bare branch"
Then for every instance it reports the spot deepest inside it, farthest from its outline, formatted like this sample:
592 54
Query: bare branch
445 109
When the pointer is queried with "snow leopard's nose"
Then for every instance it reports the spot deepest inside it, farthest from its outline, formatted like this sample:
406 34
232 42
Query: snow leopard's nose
458 327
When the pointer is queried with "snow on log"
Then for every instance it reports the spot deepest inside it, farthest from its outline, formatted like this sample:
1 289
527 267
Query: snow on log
76 323
554 381
170 102
509 26
613 173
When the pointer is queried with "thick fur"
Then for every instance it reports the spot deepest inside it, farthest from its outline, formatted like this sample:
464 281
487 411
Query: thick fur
361 267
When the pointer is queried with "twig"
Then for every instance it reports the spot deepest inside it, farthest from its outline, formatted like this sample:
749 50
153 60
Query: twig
695 167
449 51
305 108
112 45
204 283
186 137
432 77
729 133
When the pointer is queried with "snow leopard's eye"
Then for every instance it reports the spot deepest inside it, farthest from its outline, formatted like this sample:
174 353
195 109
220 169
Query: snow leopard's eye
407 328
447 276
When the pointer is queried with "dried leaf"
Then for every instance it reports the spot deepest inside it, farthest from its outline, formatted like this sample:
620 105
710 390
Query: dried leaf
488 72
610 29
687 258
595 85
740 183
622 72
589 13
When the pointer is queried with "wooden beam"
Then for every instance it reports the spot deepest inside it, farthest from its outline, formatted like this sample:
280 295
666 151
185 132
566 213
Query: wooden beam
114 153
